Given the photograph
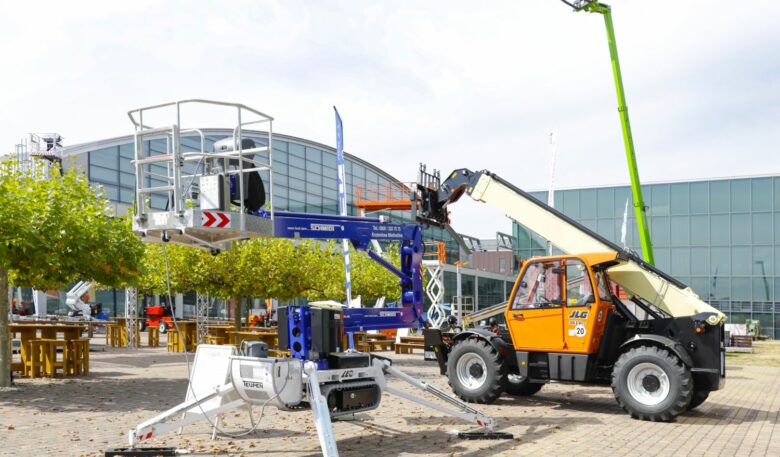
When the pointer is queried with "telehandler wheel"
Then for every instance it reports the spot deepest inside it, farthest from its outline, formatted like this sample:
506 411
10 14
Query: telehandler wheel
513 386
476 371
699 397
651 383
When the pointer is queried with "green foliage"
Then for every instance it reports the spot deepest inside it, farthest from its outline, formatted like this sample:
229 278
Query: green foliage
369 279
56 230
269 267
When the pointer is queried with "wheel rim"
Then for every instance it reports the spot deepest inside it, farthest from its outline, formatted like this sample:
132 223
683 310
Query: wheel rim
648 383
471 371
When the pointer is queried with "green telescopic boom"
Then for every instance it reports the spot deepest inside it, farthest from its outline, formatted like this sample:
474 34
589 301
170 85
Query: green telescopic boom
636 189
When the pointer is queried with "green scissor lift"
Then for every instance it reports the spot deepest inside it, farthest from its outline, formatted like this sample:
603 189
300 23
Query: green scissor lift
592 6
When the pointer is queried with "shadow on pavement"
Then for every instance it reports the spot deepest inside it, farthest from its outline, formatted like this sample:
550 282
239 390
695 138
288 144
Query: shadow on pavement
728 413
100 392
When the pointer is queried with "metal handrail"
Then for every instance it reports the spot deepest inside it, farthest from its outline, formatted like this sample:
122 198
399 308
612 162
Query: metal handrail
191 100
383 192
176 158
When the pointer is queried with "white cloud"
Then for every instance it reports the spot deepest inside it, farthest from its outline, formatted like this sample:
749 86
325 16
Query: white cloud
452 84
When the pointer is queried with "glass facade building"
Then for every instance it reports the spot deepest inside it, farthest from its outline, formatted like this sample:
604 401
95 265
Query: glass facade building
721 237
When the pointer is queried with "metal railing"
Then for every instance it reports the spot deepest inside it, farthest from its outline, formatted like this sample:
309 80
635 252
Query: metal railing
179 186
374 196
435 250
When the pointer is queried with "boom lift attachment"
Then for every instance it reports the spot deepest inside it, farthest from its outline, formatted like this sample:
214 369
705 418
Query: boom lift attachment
74 302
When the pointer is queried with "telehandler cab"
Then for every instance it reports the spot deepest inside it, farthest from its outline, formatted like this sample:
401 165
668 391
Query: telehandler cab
661 348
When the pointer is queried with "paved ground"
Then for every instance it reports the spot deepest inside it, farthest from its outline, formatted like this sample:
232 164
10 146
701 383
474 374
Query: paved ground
83 417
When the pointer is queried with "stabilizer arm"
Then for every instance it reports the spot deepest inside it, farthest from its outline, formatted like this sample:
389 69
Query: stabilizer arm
158 424
465 412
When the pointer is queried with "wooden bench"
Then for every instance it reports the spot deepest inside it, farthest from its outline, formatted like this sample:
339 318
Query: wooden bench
153 336
173 344
114 335
381 345
77 357
214 339
408 348
33 360
743 341
51 362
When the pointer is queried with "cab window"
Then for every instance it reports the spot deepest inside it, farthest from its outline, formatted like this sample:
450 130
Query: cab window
579 291
602 285
539 287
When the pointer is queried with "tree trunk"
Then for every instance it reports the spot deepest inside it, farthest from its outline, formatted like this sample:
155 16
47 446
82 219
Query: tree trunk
237 318
5 347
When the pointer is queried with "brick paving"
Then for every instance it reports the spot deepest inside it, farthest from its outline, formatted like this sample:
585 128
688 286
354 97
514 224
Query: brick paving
84 416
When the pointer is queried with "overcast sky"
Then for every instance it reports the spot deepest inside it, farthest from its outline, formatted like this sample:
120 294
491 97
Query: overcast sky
451 84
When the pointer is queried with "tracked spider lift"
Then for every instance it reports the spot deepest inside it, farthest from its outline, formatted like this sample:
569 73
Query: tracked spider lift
217 197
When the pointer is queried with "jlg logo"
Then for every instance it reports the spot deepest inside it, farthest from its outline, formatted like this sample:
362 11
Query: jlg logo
578 315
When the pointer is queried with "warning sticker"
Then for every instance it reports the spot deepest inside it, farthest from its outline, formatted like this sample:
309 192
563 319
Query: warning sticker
578 331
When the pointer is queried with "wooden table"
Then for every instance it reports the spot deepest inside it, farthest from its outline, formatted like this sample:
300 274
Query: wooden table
407 344
379 342
47 330
220 331
188 334
271 339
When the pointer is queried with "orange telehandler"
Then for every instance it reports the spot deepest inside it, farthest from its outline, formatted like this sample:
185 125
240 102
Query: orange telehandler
661 348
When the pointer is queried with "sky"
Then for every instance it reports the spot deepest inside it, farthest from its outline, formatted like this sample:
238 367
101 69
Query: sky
451 84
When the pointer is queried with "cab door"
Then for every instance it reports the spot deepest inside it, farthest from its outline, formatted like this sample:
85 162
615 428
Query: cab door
535 318
580 310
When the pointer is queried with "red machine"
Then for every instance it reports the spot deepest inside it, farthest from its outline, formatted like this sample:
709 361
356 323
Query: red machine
160 317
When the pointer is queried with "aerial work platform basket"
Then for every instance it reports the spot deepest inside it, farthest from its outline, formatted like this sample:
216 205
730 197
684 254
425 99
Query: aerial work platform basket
208 193
388 196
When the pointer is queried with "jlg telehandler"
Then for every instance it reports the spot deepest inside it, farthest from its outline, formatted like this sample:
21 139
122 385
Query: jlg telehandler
661 348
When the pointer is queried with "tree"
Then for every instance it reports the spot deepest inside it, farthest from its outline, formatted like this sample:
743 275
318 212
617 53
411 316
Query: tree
55 231
269 267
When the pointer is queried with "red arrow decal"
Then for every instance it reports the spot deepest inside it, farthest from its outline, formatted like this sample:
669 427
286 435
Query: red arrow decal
209 219
225 219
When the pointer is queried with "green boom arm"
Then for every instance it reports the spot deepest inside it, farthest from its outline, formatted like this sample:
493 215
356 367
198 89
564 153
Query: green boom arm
639 203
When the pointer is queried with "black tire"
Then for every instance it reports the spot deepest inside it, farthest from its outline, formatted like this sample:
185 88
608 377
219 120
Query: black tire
142 326
520 388
162 327
678 381
491 365
699 397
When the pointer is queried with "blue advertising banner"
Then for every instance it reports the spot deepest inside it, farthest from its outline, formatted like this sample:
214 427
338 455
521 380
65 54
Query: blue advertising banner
342 182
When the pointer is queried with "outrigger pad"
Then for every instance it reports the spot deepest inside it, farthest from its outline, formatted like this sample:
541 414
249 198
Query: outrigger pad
141 452
485 435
